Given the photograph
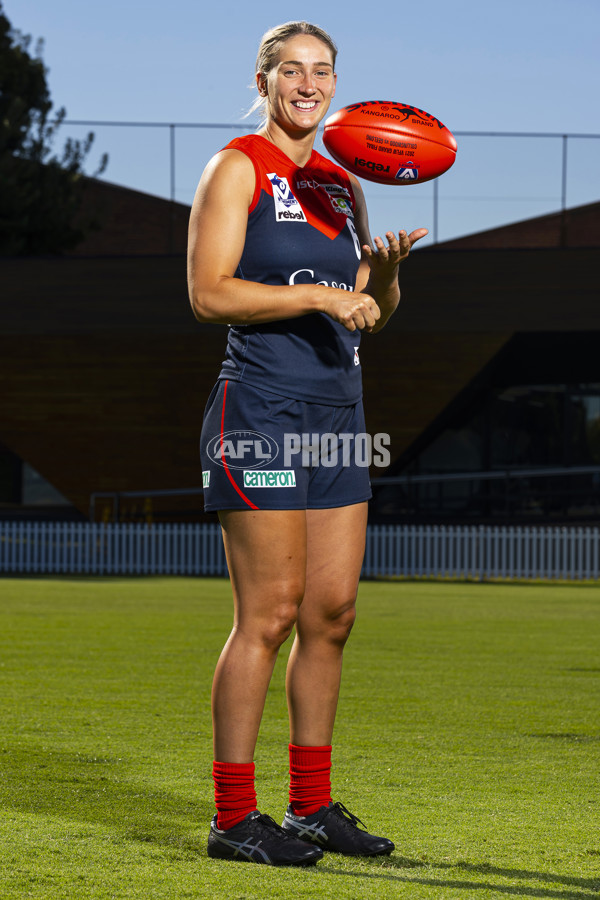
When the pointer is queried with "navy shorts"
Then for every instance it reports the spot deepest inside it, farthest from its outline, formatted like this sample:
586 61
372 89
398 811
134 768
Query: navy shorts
263 451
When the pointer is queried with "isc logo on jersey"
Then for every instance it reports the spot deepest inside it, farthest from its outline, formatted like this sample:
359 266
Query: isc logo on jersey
287 208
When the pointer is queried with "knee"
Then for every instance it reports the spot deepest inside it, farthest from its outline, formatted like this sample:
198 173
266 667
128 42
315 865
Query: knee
280 623
339 621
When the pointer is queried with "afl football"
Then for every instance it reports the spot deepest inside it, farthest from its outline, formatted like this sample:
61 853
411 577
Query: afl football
390 143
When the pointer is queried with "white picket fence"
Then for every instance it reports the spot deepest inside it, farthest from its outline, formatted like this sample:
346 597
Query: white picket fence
411 551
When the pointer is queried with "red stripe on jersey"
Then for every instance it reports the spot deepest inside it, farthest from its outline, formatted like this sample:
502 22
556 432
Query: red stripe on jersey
226 467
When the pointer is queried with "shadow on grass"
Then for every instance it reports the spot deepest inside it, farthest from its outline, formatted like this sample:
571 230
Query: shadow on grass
97 790
588 887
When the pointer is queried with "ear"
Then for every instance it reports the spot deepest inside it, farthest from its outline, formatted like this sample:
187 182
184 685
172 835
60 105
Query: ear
334 84
261 84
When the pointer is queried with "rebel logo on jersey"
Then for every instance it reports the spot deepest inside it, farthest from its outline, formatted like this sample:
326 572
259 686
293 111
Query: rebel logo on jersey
283 181
287 207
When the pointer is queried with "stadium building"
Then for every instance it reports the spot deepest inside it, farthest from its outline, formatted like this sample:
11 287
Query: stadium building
487 379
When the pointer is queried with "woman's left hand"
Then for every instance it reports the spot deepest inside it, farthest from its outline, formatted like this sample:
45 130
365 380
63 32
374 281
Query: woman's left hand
383 260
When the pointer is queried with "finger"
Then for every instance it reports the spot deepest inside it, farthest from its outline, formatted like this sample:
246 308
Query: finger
382 250
395 251
362 320
354 319
348 322
417 235
367 315
403 243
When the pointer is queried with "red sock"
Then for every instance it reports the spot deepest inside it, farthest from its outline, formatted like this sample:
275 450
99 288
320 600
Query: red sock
310 779
235 796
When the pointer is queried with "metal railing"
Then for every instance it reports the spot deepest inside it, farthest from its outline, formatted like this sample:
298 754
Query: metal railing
560 189
513 488
511 495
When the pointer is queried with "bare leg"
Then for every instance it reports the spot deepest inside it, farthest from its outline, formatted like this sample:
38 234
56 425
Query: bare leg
266 555
335 549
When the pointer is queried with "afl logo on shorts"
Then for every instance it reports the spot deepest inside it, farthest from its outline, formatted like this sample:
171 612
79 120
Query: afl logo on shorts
242 449
287 208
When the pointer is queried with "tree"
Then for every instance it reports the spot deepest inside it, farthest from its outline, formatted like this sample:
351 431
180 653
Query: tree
40 193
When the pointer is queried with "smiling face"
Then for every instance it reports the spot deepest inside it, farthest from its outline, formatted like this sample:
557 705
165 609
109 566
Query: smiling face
301 84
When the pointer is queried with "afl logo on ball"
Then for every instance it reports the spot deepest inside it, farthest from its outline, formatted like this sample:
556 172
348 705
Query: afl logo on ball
287 207
407 172
242 449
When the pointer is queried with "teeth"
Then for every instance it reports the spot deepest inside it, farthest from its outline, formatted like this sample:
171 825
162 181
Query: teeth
302 105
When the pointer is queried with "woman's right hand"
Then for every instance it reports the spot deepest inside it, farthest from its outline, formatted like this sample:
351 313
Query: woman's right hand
352 310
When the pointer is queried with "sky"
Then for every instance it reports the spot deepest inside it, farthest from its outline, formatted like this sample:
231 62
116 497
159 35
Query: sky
518 66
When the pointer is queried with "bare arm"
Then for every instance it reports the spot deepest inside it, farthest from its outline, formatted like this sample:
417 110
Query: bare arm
378 271
217 233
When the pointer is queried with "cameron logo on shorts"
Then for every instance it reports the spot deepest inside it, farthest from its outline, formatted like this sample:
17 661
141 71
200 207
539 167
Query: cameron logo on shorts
270 479
242 449
287 208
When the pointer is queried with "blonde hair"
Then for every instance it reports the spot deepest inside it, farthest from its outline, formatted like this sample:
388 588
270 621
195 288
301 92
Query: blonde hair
270 46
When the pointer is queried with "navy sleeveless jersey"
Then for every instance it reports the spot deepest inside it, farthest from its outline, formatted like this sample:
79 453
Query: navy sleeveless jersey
300 230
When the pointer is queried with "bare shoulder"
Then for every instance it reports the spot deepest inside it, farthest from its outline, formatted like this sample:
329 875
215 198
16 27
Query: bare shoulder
230 173
219 217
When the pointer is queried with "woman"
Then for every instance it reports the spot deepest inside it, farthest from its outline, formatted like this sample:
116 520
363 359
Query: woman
279 249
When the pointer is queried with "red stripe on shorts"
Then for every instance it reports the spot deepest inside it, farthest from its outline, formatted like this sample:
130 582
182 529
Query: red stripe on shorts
229 475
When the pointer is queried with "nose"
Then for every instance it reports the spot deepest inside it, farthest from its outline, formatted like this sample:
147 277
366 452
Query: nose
308 84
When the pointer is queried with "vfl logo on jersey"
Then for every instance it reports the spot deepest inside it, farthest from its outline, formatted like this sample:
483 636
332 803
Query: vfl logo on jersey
287 208
341 205
408 172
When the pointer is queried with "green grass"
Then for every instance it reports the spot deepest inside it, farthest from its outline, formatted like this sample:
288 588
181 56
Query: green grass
468 732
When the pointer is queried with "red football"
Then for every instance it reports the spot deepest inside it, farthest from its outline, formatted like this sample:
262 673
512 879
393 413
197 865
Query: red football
390 143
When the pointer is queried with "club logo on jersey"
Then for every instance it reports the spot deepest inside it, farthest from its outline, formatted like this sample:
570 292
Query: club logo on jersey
407 172
287 207
341 205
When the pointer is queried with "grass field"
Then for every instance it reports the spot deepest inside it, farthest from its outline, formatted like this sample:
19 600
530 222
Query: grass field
468 732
